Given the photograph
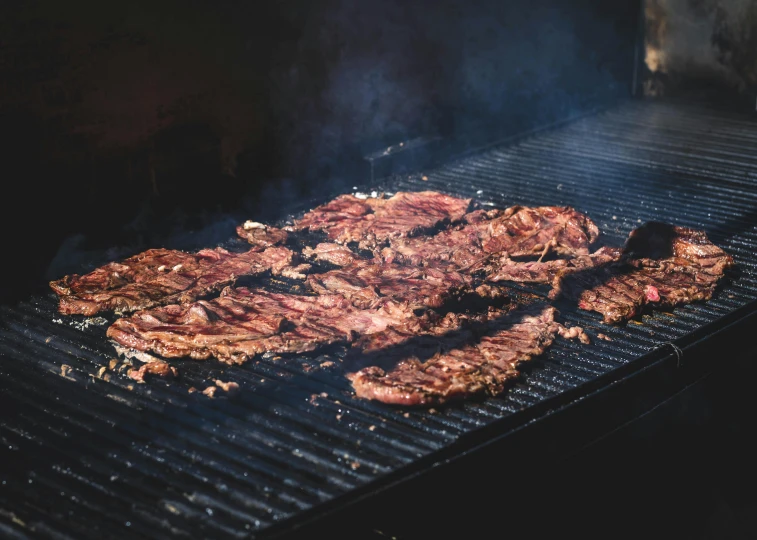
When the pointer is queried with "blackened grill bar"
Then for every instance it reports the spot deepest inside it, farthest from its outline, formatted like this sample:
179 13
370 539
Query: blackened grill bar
168 461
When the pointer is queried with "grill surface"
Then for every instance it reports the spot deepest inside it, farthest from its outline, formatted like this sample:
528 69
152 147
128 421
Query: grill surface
88 458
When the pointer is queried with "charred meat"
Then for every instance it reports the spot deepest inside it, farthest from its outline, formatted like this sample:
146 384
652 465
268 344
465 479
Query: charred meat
367 283
371 221
460 363
261 236
514 232
244 322
336 254
162 276
662 265
507 269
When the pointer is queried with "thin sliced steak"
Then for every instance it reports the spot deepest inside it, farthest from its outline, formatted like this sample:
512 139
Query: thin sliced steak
462 362
507 269
373 220
244 322
662 264
366 283
336 254
261 236
514 232
162 276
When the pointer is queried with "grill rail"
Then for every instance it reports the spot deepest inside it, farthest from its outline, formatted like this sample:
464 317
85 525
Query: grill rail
86 457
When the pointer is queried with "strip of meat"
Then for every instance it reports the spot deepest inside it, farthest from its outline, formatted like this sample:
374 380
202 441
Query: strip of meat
514 232
366 283
421 338
462 363
331 253
507 269
662 264
373 220
244 322
162 276
261 236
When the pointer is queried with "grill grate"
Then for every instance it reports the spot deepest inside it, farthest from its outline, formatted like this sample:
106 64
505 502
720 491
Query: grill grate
91 458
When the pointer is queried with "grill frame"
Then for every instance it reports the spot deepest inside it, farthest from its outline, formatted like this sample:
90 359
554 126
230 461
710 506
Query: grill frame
422 444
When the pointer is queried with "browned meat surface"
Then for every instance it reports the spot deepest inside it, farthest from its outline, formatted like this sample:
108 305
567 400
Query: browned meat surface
662 265
157 368
461 362
427 333
261 236
162 276
514 232
371 221
507 269
333 253
367 283
546 229
244 322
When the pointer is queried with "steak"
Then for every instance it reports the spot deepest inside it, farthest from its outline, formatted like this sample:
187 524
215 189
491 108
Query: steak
162 276
462 362
514 232
244 322
662 265
336 254
371 221
367 283
507 269
261 236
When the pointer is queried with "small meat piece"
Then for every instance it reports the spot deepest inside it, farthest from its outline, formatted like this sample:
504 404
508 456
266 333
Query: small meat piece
373 220
244 322
157 368
332 253
162 276
465 363
662 264
261 236
514 232
296 272
228 387
368 283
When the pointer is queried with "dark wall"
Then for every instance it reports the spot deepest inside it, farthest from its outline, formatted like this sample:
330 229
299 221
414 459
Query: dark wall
704 47
139 124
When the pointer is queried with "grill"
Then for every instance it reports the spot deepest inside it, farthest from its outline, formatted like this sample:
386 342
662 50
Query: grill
96 458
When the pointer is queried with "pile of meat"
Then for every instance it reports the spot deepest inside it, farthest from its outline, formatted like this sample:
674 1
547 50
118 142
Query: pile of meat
414 284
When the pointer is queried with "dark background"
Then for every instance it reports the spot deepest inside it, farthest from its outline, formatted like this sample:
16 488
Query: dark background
148 124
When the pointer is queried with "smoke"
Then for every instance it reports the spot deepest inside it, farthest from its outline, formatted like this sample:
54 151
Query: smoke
701 39
363 75
287 101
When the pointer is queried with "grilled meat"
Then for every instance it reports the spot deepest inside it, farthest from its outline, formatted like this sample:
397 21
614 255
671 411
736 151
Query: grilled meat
159 368
462 362
373 220
261 236
514 232
333 253
162 276
244 322
507 269
662 264
366 283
